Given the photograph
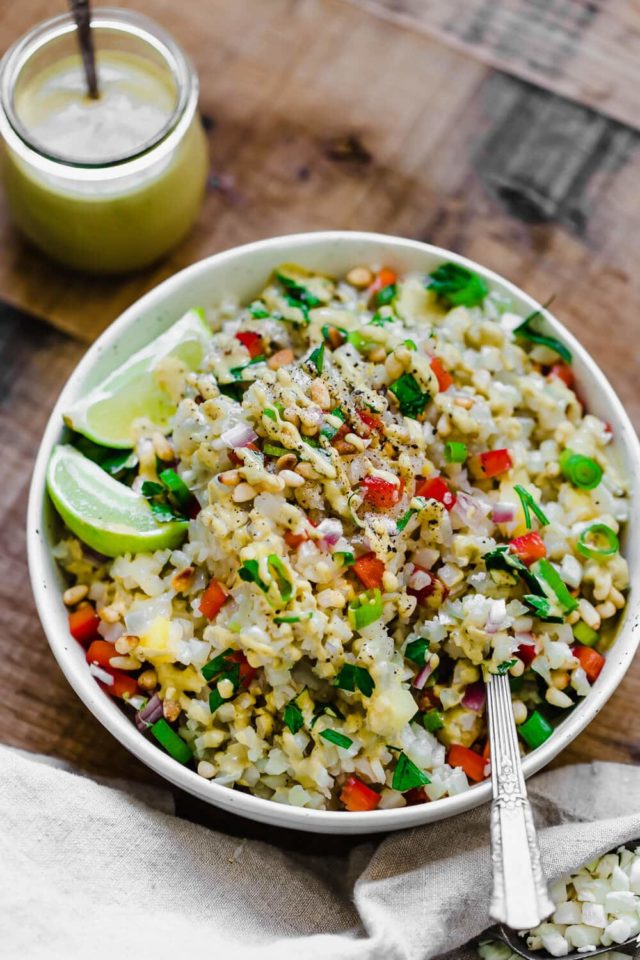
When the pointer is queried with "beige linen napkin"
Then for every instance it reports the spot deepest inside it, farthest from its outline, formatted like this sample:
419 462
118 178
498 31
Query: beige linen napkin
91 871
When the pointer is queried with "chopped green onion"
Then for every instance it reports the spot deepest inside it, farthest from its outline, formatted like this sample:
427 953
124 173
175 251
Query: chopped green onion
365 609
527 332
455 452
316 357
249 573
294 618
585 634
535 730
505 666
385 296
407 776
176 486
338 738
378 320
542 608
409 344
417 650
273 450
410 396
346 556
551 582
528 504
352 678
404 519
281 574
456 286
581 471
151 489
218 665
258 310
598 533
433 720
299 294
293 718
172 743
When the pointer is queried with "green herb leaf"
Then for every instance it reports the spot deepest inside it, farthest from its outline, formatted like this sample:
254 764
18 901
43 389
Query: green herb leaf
407 776
528 504
338 738
249 573
151 489
298 293
236 372
119 463
505 666
410 396
456 286
258 310
417 650
409 344
294 618
316 357
218 665
502 559
528 332
176 487
293 717
402 522
352 678
385 296
215 701
378 320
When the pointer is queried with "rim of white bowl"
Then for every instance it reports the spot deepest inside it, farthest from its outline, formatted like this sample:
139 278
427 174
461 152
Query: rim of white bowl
50 607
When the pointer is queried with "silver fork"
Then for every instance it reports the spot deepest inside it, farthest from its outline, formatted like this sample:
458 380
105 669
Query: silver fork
520 896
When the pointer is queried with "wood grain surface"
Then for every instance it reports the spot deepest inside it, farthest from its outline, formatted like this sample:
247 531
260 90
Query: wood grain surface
321 115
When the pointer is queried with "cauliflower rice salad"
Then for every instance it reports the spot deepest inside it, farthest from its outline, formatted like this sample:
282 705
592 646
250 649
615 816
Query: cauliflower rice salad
379 489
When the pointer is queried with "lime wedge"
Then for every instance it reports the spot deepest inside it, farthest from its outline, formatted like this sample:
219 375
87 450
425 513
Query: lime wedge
106 515
141 386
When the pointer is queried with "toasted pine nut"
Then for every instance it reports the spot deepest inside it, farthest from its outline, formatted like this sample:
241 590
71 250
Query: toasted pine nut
291 416
377 355
519 712
291 478
617 599
589 614
573 617
162 448
225 688
126 643
343 447
171 710
306 470
360 277
606 609
320 394
557 698
272 482
465 402
183 579
109 614
287 461
517 669
148 680
230 478
75 594
280 359
243 492
206 770
560 679
125 663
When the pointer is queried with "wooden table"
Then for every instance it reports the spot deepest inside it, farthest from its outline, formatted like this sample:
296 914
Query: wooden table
425 119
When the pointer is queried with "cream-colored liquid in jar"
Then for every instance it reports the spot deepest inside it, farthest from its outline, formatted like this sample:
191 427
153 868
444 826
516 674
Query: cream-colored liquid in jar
136 101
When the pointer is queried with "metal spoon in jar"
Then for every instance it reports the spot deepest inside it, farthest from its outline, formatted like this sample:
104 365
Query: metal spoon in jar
520 897
81 10
515 942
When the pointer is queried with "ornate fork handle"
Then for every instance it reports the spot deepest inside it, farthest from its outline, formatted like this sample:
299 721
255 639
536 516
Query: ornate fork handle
520 897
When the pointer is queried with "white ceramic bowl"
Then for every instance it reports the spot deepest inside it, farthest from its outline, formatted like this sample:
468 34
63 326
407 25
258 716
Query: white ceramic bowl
244 271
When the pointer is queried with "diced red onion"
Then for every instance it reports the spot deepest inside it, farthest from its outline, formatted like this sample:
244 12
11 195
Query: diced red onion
523 636
239 435
497 616
423 676
100 674
149 714
329 531
503 513
419 580
471 510
475 696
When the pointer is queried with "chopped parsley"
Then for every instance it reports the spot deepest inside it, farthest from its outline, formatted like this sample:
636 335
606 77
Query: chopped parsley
338 738
352 678
456 286
316 357
293 717
407 776
410 396
417 650
529 332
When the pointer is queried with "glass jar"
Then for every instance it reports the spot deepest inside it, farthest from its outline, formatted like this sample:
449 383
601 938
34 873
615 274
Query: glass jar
104 202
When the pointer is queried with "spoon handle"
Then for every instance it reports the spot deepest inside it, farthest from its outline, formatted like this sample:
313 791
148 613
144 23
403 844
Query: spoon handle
520 897
81 10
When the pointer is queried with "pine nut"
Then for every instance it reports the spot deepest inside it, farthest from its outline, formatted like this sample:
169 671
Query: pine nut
320 394
206 770
182 580
75 594
377 355
125 663
171 710
230 478
617 599
126 643
589 614
243 492
517 669
606 609
291 478
360 277
557 698
465 402
560 679
148 680
343 447
519 712
225 688
280 359
109 614
272 482
291 416
306 470
287 461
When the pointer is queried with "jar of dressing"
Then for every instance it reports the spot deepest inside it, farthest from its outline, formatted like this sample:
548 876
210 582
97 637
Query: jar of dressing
106 185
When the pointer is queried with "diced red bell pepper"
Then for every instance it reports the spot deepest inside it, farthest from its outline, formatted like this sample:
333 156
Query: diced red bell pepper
123 686
564 372
235 459
247 672
435 488
100 653
416 796
443 376
384 278
252 341
591 661
357 796
370 570
470 761
293 540
486 750
528 548
381 493
371 420
491 463
84 623
527 653
213 599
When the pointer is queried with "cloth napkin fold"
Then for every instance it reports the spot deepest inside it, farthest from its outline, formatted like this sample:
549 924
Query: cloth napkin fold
92 870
